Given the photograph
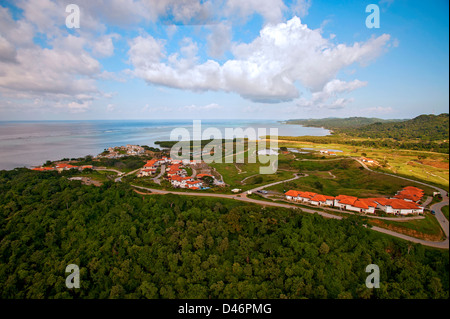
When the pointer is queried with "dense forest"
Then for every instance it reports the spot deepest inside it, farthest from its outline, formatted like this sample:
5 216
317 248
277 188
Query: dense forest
423 133
133 246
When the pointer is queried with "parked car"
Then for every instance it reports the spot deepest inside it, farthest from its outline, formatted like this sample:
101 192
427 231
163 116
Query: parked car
433 212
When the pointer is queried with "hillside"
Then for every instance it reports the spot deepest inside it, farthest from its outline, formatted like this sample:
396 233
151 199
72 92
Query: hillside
423 133
424 127
333 123
130 246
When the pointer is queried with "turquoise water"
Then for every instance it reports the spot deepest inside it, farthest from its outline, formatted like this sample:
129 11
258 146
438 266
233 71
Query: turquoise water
32 143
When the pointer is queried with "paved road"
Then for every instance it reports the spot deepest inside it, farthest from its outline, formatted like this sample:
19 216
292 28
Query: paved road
427 201
297 176
161 173
243 199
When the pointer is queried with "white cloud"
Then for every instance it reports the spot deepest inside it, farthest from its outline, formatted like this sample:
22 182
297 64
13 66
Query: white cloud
264 70
110 108
103 46
219 41
7 51
75 107
196 108
62 74
271 10
301 7
329 97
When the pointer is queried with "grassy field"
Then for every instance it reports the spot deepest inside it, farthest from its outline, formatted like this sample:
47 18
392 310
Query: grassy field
427 166
343 177
445 211
427 229
247 175
101 176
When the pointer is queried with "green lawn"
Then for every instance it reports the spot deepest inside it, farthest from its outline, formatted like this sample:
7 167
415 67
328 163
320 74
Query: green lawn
445 211
234 173
398 161
428 228
101 176
350 179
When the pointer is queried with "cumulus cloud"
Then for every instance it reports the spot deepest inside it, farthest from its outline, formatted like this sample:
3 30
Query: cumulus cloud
63 74
264 70
63 68
329 97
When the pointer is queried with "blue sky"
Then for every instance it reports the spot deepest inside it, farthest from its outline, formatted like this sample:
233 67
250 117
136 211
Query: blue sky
228 59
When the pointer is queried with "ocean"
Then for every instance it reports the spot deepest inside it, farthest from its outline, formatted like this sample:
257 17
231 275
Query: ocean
32 143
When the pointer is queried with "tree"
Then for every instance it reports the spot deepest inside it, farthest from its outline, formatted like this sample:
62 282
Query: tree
324 249
318 185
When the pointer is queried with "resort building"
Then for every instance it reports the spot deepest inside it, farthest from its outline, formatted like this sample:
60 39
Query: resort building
410 193
322 200
399 206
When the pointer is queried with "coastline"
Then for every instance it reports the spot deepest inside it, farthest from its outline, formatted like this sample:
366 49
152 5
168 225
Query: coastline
32 143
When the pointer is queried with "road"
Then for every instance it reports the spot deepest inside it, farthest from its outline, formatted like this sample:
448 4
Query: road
243 197
297 176
161 173
119 179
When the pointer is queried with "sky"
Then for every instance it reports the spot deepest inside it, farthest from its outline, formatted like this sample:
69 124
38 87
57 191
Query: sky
222 59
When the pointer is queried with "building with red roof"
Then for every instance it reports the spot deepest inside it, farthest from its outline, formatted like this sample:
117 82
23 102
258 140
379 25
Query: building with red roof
398 206
151 163
292 195
42 169
410 193
361 205
64 167
306 196
322 200
341 201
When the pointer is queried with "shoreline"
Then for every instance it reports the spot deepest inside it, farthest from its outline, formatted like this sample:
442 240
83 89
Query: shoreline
32 143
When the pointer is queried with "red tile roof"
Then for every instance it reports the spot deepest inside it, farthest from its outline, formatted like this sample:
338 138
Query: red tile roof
308 195
292 193
150 163
321 198
396 203
344 199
